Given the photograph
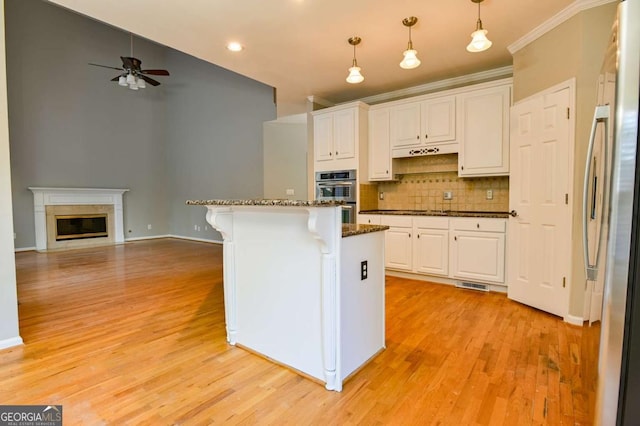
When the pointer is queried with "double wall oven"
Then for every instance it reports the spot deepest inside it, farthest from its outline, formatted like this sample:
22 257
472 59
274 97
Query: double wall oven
339 186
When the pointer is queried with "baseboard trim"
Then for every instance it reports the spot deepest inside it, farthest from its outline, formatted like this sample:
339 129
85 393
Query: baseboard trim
17 250
9 343
439 280
574 320
150 237
201 240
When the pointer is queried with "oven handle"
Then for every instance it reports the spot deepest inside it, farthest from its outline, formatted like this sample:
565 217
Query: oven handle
347 207
335 184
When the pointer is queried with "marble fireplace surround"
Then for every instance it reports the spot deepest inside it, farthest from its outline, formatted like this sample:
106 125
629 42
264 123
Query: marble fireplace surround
43 197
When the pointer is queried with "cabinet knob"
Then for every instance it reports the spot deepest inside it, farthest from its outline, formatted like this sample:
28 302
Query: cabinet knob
478 225
418 236
426 136
336 152
387 172
418 137
409 235
455 238
330 154
461 167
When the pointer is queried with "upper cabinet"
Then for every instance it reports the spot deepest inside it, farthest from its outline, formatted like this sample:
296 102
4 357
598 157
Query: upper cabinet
339 137
425 127
380 164
483 131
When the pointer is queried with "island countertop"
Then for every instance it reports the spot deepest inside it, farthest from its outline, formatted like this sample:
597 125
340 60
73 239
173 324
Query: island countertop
351 229
266 202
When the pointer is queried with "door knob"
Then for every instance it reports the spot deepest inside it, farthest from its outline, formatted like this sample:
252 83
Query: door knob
513 213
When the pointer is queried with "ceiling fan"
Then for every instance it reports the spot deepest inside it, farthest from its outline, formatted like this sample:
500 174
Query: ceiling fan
132 74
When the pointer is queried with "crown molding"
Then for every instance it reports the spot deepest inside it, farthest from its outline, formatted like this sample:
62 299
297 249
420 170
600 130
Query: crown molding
320 101
448 83
564 15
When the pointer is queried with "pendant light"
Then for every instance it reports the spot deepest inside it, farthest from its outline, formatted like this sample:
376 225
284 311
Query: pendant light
410 59
479 40
354 76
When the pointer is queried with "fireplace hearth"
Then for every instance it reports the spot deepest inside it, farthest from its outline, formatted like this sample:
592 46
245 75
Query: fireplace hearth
77 227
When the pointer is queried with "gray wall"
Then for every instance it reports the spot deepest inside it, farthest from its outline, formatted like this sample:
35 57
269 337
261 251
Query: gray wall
198 135
285 157
214 125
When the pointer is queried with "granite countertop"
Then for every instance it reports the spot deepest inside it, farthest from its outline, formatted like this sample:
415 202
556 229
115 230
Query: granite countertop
351 229
446 213
263 202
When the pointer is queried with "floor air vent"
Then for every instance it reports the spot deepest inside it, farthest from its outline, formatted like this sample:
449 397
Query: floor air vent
473 286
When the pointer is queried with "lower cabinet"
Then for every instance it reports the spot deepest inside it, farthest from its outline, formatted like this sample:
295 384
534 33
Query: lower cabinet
469 249
431 245
398 242
477 249
368 219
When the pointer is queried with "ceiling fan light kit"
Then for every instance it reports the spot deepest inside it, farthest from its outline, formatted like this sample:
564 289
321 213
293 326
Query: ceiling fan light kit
410 60
132 75
479 40
354 76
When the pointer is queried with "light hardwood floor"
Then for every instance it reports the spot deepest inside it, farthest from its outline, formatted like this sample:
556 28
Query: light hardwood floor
134 334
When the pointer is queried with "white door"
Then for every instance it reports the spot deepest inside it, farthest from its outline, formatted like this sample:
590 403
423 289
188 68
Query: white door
539 244
439 120
344 133
431 252
405 125
397 248
323 137
379 149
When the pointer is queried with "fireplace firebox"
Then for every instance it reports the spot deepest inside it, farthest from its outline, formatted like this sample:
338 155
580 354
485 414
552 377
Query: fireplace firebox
76 227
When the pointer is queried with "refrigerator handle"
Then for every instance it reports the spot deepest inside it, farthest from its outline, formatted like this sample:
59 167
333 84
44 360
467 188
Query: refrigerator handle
601 115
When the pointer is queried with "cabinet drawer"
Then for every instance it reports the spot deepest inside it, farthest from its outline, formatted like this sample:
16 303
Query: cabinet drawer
431 222
397 221
479 224
368 219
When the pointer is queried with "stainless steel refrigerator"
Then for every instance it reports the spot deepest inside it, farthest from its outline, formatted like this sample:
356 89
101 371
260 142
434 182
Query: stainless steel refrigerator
611 213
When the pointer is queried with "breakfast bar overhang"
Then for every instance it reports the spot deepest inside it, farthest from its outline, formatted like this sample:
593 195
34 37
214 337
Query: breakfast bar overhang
299 287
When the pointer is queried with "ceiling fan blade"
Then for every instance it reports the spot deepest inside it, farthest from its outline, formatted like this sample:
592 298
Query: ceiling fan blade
149 80
105 66
155 72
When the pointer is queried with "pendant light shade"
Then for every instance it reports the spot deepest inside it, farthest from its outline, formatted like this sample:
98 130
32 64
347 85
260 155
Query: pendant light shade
354 76
410 59
479 40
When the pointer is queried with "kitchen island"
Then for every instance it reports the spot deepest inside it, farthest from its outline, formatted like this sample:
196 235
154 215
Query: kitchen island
299 287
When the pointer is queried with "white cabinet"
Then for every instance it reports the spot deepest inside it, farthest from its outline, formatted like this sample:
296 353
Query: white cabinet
483 131
380 164
368 219
398 242
431 245
338 134
419 128
477 249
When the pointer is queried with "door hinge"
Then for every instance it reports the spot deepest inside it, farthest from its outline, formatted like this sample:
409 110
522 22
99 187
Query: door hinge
564 282
566 198
568 113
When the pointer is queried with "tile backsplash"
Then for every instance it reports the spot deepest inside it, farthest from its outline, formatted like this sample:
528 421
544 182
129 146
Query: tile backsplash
423 181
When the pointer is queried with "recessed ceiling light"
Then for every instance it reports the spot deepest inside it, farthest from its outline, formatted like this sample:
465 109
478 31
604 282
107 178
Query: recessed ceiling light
234 46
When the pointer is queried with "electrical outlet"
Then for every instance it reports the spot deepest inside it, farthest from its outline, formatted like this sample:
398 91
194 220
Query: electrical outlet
364 273
489 194
149 226
447 195
198 229
290 191
195 227
380 195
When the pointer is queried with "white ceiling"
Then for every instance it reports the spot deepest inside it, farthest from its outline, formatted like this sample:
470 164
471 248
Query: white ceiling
300 46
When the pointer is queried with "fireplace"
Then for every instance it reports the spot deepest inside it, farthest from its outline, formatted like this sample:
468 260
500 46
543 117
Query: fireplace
78 227
77 217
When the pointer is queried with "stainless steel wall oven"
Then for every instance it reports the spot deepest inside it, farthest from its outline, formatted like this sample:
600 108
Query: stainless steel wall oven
340 185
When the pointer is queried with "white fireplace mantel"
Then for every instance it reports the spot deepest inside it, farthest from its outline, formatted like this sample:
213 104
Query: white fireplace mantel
75 196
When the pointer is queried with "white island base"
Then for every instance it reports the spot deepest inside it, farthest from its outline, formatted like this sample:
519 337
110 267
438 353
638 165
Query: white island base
293 290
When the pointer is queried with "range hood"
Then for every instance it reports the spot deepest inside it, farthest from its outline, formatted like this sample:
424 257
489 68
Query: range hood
430 149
